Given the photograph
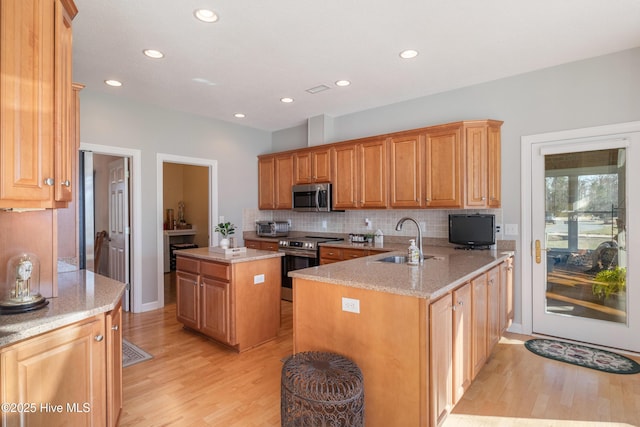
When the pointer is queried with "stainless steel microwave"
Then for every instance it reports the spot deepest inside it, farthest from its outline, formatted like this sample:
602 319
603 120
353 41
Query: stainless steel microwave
312 197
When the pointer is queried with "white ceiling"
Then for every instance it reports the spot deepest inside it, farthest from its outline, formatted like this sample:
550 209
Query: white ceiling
260 51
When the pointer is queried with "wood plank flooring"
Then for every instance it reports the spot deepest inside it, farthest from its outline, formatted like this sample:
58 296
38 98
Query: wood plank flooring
192 381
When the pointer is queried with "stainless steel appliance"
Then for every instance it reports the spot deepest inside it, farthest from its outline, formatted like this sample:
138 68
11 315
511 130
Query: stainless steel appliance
300 252
312 197
272 228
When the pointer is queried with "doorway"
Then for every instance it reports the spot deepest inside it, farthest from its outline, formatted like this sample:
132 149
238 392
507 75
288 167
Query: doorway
582 250
190 191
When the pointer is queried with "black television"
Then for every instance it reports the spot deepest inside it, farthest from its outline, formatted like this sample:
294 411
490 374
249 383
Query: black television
475 231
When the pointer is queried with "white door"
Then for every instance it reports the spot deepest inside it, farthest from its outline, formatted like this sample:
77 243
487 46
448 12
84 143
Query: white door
119 223
584 247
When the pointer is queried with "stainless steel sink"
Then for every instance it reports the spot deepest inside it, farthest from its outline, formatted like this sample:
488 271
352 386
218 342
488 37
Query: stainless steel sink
399 259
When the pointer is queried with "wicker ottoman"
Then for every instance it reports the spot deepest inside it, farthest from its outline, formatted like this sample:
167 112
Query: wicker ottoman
321 389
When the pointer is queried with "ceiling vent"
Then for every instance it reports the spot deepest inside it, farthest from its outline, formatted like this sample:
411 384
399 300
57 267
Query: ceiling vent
317 89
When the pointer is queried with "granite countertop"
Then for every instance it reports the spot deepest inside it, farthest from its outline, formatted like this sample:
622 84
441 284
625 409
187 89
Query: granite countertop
249 255
81 294
448 269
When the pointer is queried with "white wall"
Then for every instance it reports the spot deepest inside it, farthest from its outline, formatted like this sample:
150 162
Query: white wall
587 93
111 121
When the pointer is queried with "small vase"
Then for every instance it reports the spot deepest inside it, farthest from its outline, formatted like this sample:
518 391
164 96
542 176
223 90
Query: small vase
224 243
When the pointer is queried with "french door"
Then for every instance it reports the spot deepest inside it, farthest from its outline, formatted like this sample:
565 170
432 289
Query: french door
585 251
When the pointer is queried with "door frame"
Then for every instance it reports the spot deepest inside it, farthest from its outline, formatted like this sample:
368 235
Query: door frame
135 256
526 242
161 158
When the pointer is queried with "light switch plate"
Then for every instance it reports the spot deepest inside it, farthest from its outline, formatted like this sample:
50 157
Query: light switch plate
258 278
351 305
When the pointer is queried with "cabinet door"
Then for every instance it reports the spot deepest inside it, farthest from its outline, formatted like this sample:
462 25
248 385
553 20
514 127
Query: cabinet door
462 341
64 368
283 181
441 357
373 174
114 366
506 294
26 103
493 308
215 308
266 182
494 175
187 299
321 165
345 174
476 166
443 170
479 322
302 167
405 171
64 147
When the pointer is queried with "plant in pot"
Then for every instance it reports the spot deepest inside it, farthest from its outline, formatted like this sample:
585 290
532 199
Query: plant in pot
610 282
225 229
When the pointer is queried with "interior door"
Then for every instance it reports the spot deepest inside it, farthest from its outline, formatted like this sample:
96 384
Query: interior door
583 247
119 230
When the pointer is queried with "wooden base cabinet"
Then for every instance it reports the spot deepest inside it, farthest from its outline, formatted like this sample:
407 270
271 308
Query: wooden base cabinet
114 365
462 341
223 302
441 334
59 376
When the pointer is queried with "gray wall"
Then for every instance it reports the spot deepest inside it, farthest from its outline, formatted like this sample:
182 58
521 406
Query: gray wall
110 121
593 92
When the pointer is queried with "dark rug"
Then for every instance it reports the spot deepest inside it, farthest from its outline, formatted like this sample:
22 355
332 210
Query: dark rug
582 355
132 354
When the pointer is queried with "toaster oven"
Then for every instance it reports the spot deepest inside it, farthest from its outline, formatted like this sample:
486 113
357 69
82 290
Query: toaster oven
272 228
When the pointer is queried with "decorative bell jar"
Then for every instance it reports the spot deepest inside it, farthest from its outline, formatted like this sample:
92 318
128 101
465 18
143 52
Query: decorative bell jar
21 291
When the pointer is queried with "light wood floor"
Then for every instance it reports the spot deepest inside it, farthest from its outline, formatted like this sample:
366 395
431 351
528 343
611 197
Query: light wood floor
192 381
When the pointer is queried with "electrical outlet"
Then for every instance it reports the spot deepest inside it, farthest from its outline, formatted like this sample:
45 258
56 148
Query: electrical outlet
423 226
351 305
498 228
221 218
258 278
289 222
324 225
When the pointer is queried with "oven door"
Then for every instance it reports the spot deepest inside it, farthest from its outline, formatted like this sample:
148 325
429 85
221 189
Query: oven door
291 262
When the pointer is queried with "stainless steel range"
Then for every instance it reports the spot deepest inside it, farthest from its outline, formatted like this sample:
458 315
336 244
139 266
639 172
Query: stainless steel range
300 252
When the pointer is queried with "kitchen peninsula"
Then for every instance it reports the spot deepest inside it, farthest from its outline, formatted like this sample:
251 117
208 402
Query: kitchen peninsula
420 334
233 299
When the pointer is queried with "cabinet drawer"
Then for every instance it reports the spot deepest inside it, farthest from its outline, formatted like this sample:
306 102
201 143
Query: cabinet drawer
215 269
252 244
331 253
187 264
353 253
270 246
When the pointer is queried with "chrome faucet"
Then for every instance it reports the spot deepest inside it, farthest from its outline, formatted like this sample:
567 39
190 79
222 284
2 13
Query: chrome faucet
419 238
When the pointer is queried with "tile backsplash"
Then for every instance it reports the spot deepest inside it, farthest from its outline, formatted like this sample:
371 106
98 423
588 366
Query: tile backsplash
435 221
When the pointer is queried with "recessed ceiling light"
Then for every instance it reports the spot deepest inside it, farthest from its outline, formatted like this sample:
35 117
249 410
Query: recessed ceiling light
114 83
239 116
343 83
206 15
286 100
152 53
408 54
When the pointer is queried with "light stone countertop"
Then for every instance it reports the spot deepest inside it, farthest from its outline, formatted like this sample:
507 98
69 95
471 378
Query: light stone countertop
435 277
249 255
81 294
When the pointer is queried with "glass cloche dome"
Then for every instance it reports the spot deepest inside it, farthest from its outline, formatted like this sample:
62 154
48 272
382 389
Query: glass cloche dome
21 291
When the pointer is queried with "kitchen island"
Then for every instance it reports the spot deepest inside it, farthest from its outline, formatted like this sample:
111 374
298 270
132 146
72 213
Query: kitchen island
420 334
62 364
233 299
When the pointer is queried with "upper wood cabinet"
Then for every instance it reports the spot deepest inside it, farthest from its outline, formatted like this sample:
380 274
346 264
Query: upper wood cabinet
312 166
406 170
482 164
360 175
35 106
443 166
275 178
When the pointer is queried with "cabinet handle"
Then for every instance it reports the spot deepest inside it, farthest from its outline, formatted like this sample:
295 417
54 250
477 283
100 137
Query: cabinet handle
98 338
66 183
115 327
49 181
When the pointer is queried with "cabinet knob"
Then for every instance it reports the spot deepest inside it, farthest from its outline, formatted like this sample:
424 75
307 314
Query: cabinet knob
115 327
98 338
428 199
460 302
66 183
483 198
49 181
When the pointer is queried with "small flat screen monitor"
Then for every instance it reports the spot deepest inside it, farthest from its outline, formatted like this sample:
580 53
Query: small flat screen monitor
472 231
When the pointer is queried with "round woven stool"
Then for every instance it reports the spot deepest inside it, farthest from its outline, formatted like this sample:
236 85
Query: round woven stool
321 389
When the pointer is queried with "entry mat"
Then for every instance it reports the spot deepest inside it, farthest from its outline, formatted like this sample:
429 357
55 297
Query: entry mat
132 354
582 355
